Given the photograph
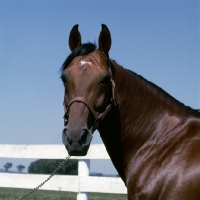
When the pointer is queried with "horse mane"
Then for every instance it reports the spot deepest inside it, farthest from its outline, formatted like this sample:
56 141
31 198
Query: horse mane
163 92
83 49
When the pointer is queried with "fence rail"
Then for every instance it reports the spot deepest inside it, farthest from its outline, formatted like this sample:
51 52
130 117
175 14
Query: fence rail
82 184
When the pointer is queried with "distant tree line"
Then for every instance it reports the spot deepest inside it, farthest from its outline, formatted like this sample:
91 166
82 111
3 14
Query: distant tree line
9 165
44 166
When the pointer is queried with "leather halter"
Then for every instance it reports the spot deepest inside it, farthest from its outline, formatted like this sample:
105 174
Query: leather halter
96 115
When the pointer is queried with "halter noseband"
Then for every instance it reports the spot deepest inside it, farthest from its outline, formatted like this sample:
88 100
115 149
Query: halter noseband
97 116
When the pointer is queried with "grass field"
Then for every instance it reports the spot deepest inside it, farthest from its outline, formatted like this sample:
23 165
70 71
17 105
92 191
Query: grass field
13 194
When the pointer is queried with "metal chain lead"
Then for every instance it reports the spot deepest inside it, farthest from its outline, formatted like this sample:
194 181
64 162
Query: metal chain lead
39 186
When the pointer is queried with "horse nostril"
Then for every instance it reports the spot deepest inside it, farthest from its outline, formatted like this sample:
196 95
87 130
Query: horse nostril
65 132
69 140
84 136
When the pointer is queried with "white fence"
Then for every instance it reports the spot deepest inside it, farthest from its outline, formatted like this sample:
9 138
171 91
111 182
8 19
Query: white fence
82 184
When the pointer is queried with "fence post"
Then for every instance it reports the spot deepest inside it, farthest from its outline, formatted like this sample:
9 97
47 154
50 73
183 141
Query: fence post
83 170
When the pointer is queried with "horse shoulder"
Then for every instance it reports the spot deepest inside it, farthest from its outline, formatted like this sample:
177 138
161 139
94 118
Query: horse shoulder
169 169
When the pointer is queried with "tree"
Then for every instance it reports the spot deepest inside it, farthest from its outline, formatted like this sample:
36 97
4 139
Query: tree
7 166
20 168
44 166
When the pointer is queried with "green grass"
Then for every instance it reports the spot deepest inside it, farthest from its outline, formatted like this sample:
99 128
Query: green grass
13 194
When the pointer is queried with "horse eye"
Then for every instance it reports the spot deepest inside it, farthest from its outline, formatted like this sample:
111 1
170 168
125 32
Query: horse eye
64 80
105 81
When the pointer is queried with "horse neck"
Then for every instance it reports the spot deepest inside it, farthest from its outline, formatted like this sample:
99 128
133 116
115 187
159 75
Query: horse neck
142 107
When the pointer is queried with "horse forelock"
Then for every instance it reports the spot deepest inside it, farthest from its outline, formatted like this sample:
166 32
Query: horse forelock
83 49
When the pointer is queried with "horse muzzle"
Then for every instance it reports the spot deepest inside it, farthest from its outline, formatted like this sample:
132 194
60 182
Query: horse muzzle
77 140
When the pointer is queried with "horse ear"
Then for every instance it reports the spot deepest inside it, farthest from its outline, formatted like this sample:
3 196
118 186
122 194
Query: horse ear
74 38
104 39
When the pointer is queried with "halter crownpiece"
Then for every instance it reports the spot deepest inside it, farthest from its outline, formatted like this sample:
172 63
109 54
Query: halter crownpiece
112 79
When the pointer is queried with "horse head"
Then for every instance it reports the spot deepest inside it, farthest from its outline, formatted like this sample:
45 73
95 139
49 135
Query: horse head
87 79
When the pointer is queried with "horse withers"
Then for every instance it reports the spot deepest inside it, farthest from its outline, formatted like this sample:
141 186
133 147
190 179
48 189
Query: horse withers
152 139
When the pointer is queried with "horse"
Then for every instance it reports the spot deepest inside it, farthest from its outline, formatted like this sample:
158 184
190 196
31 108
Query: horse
152 139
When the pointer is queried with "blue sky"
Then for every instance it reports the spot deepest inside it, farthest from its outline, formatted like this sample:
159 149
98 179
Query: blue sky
159 40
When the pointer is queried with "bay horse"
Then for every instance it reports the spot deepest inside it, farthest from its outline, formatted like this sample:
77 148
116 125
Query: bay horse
152 139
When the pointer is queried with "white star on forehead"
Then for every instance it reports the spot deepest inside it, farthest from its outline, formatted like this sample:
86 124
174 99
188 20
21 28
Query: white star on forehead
82 62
